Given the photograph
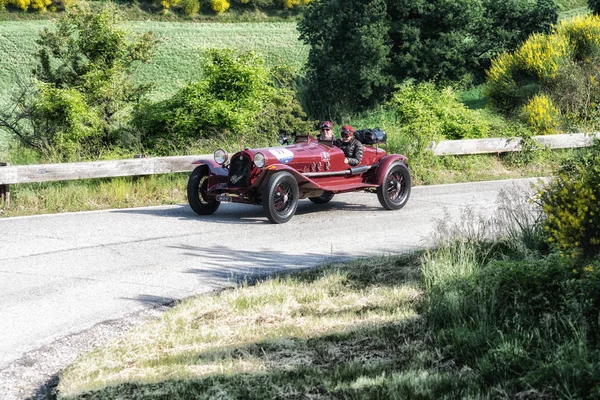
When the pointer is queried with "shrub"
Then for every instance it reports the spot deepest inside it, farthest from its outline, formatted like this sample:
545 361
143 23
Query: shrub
427 114
64 124
219 6
22 4
360 49
563 65
570 202
40 5
168 3
540 115
594 5
295 3
190 7
235 100
446 118
90 53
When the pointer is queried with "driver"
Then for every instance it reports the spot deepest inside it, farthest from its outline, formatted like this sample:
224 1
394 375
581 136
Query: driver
326 128
352 147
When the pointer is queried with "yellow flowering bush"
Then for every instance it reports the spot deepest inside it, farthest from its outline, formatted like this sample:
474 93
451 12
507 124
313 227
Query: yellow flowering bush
22 4
583 33
563 65
168 3
40 5
541 55
571 204
295 3
541 115
219 6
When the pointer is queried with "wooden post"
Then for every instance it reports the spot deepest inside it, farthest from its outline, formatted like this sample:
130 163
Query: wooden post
136 178
5 190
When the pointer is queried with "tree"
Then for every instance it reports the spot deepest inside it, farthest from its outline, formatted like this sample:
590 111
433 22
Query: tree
594 5
84 67
348 57
401 39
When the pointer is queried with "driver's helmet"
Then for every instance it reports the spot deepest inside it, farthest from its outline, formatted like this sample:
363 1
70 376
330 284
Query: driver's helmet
325 125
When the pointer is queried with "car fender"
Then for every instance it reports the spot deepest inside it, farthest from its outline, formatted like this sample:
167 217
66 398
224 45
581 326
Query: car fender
217 179
384 165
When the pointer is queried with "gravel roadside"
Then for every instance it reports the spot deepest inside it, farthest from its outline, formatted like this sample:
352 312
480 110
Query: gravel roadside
34 375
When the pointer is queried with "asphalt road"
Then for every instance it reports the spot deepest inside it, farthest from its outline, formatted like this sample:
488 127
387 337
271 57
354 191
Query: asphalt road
65 273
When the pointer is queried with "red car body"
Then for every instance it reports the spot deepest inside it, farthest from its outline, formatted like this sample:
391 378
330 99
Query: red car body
277 177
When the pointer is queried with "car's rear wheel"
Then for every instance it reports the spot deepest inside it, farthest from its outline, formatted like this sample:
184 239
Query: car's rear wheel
322 199
196 192
394 192
280 197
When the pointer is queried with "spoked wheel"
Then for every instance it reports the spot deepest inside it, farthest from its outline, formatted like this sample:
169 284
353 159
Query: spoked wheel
394 192
280 197
322 199
196 192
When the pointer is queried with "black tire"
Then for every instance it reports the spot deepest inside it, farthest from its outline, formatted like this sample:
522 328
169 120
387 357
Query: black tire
196 192
394 192
280 197
322 199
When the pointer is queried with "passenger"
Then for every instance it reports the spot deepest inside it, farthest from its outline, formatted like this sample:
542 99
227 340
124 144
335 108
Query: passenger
353 149
326 128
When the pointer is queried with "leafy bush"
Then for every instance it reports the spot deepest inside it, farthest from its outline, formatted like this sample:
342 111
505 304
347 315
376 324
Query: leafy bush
65 123
594 5
427 114
190 7
235 99
570 201
437 112
89 52
40 5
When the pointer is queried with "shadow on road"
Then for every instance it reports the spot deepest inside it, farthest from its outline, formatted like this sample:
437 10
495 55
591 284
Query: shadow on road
247 213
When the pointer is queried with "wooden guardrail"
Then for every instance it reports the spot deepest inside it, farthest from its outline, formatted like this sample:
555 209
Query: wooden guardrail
502 145
162 165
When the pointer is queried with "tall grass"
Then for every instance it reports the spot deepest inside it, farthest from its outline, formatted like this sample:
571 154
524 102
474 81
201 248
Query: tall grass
523 317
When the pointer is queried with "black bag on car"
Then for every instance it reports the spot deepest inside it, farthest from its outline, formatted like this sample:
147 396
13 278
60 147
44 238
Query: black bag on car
371 136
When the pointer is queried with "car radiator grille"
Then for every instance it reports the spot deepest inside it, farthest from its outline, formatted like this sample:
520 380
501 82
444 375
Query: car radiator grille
239 171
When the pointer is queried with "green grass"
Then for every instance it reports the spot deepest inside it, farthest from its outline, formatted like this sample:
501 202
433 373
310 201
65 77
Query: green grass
177 57
485 313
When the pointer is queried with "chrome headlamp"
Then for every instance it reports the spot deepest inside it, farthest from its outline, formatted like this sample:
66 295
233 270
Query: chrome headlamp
221 156
259 160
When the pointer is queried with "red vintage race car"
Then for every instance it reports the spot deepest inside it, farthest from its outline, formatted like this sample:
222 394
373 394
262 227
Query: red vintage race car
277 177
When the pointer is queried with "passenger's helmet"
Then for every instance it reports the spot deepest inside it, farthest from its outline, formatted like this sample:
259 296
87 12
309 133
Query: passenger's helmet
326 125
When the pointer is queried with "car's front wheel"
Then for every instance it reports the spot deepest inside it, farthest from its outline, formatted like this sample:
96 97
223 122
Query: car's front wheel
394 192
280 197
322 199
196 192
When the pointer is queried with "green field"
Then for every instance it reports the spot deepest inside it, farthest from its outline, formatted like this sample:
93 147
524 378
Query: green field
177 56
